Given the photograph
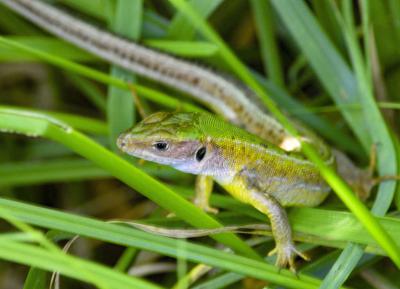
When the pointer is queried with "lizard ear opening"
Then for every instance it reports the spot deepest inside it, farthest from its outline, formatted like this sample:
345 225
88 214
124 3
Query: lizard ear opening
201 152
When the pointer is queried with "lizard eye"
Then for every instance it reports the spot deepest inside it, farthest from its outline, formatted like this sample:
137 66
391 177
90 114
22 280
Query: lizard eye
201 152
161 145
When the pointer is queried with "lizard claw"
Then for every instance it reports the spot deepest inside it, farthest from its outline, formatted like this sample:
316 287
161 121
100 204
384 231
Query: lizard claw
205 207
286 255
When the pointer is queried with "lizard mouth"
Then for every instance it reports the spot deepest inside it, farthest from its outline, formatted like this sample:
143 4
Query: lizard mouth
128 144
136 147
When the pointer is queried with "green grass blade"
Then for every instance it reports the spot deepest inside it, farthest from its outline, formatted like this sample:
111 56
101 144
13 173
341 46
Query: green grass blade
184 48
83 123
387 161
126 236
146 92
120 103
69 266
45 44
180 27
268 43
67 170
29 173
126 259
96 8
323 10
36 279
330 68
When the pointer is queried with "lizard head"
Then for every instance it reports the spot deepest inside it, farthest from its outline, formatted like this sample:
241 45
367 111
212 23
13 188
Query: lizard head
168 138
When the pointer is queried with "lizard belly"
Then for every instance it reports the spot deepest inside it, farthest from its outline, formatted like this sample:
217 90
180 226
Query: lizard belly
297 193
286 191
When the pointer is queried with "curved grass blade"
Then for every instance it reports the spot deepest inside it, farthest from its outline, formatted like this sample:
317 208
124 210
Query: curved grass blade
146 92
46 44
83 123
180 27
126 236
70 266
184 48
330 68
268 44
120 103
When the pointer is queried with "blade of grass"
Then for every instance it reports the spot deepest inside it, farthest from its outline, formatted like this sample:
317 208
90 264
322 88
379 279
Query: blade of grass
36 279
94 8
126 236
184 48
86 124
120 103
383 19
63 170
268 43
126 259
323 11
70 266
181 29
28 173
330 68
46 44
146 92
387 163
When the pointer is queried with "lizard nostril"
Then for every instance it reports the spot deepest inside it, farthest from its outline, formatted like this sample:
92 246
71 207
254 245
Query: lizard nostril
121 142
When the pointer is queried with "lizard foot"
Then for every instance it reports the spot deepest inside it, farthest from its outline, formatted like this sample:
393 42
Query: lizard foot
205 207
286 255
209 209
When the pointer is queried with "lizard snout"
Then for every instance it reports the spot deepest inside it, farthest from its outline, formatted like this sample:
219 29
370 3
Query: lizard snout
122 141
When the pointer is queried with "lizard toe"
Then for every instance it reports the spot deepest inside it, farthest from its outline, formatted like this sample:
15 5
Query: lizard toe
286 255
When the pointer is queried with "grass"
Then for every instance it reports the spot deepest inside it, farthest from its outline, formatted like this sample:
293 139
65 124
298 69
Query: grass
72 164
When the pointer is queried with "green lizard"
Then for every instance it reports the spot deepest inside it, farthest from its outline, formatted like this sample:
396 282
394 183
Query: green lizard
249 168
227 98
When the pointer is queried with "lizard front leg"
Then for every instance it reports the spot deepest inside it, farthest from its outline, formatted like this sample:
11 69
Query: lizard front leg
204 186
281 231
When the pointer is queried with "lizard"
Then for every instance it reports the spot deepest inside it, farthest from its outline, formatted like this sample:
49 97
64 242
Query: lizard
249 168
229 99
